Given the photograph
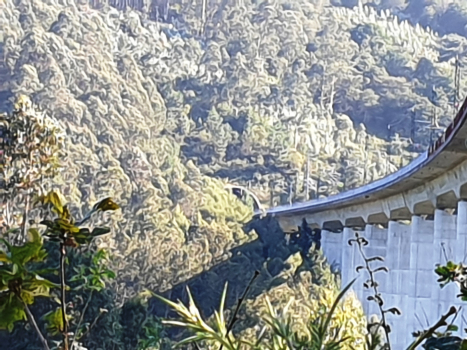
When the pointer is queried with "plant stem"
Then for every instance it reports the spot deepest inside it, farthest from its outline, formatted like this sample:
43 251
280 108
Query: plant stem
375 289
88 302
24 224
32 320
239 304
432 330
92 325
63 296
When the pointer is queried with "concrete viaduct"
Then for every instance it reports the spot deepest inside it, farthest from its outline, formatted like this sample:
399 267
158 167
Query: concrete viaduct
413 218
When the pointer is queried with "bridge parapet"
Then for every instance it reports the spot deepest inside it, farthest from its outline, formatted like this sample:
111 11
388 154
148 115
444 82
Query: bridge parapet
443 192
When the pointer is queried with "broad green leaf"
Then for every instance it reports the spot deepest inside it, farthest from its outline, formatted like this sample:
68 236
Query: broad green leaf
109 274
53 198
54 321
29 251
48 223
105 205
66 215
99 231
66 226
83 236
27 297
4 257
11 311
39 286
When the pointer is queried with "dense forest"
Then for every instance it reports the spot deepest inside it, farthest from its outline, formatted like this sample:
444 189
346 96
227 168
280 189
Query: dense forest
164 103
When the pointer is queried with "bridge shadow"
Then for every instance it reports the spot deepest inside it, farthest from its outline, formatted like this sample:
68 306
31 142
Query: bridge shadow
267 255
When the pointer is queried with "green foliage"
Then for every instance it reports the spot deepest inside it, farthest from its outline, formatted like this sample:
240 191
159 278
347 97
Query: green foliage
278 335
29 140
93 276
140 329
11 311
191 319
65 229
150 109
452 272
20 276
20 280
152 336
54 321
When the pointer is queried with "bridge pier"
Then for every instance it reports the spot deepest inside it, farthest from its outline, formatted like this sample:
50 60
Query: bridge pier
411 250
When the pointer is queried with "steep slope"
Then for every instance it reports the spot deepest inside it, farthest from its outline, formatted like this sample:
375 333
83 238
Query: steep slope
265 94
113 116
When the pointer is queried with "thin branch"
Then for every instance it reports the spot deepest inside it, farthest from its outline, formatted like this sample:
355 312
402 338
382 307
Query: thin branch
375 289
376 297
443 247
88 302
33 322
455 316
92 325
63 295
24 224
432 330
239 304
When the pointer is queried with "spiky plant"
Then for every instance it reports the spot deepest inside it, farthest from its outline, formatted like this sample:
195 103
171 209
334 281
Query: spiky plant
319 333
215 336
282 336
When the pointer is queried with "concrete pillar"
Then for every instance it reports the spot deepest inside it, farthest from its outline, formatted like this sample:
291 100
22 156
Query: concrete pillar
327 251
461 244
461 253
444 249
332 247
348 272
394 290
411 253
445 235
421 272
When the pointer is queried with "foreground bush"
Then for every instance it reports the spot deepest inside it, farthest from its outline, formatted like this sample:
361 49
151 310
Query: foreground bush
326 328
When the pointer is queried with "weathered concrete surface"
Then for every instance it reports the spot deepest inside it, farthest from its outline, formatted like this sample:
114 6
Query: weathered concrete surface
411 252
414 218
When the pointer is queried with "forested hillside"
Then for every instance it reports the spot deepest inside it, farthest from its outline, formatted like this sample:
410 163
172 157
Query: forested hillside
163 104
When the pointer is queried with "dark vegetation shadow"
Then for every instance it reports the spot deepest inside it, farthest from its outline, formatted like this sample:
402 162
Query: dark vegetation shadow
267 255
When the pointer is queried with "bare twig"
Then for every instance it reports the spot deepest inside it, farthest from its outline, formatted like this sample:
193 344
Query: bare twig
33 322
24 224
88 302
92 325
443 247
432 330
361 241
63 295
239 304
